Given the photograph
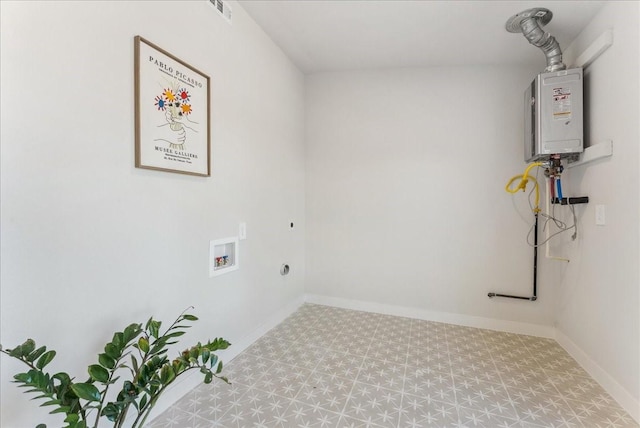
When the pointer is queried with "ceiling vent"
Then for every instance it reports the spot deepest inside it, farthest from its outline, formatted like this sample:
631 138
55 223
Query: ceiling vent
223 8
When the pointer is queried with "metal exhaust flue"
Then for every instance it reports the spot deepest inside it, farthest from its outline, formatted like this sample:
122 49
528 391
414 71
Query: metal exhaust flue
530 23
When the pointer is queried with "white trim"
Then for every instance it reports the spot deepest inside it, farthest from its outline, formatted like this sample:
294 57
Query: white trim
445 317
189 381
617 391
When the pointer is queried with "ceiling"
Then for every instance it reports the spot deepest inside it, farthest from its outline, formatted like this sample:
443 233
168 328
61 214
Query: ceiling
336 35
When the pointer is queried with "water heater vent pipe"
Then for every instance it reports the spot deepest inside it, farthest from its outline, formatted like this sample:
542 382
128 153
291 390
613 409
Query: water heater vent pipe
530 23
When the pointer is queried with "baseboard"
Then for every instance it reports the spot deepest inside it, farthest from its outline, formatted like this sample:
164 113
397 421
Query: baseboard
617 391
444 317
191 380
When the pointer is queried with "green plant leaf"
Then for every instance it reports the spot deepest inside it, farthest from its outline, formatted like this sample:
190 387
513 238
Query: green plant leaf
98 373
41 426
214 360
45 359
19 351
86 391
35 354
205 354
131 332
27 347
167 374
154 328
72 417
178 366
112 350
63 377
190 317
174 334
129 391
143 401
111 412
158 348
194 353
62 409
143 344
181 326
118 340
106 361
143 375
22 377
134 363
217 344
208 377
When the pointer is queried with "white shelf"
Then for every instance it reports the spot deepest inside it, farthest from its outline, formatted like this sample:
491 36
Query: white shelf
592 153
594 50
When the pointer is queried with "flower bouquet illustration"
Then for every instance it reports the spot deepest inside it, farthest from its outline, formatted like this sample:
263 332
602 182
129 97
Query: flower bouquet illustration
175 103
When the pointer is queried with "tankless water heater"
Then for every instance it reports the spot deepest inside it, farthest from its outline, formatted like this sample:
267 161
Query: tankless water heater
553 101
553 122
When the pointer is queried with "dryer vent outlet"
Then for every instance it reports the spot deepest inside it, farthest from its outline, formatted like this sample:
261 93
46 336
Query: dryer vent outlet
223 9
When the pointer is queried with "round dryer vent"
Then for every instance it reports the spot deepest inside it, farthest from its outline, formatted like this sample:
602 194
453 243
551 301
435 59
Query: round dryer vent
540 14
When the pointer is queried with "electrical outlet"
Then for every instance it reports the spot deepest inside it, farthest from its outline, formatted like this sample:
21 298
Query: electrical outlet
242 231
600 215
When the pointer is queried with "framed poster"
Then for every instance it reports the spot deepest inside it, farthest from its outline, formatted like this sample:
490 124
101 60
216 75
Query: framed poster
172 112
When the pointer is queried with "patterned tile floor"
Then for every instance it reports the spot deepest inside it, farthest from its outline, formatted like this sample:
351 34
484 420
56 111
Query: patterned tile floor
330 367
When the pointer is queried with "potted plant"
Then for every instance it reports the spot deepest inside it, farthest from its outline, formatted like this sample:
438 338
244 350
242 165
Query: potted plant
134 362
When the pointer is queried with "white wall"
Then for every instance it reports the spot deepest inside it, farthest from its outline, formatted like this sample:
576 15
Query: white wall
406 206
598 307
90 243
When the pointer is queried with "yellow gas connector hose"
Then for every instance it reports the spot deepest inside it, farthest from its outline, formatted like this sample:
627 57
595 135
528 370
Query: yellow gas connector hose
522 184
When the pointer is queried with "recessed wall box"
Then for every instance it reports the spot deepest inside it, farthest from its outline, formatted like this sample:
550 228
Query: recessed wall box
224 256
553 120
